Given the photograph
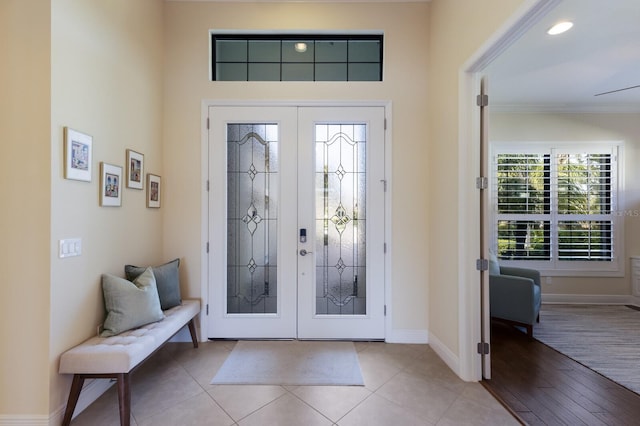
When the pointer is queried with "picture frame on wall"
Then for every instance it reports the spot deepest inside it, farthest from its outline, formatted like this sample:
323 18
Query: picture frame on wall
154 189
77 155
110 185
135 169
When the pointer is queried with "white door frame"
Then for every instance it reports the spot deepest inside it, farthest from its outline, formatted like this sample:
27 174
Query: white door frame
469 363
204 203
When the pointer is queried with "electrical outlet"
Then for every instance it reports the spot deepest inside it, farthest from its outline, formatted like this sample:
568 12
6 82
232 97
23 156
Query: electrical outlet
548 280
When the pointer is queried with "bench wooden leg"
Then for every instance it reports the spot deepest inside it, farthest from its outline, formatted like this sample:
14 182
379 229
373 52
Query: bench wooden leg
192 330
124 398
74 394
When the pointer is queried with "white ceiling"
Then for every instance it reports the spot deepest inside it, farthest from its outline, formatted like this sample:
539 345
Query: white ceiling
600 53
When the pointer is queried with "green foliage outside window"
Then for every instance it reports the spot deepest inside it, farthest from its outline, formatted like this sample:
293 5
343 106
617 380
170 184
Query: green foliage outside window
581 185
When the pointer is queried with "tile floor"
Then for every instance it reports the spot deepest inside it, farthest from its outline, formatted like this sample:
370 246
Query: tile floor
404 385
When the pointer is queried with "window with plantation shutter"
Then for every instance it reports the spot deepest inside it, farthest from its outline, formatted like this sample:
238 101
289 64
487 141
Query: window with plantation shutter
555 207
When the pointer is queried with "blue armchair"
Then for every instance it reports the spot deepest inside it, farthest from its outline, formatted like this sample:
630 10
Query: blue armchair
514 295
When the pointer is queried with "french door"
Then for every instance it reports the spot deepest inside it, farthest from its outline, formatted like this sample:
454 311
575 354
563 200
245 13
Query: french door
296 222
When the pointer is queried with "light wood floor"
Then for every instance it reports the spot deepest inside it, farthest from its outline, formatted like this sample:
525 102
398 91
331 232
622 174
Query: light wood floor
543 387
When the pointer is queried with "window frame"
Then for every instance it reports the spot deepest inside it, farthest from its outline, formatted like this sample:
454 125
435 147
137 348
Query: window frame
295 36
555 266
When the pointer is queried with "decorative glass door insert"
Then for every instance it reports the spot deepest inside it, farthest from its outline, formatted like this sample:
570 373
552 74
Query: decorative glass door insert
341 219
252 218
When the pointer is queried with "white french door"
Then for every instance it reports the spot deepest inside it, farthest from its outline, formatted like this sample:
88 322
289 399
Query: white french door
296 222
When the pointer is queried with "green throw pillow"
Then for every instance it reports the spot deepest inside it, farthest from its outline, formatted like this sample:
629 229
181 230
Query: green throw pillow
167 280
130 304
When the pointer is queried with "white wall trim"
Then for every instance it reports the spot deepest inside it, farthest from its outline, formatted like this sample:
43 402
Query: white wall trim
204 224
23 420
468 364
566 109
590 299
451 359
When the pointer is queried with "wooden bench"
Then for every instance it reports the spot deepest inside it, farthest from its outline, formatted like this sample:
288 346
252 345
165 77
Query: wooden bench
116 357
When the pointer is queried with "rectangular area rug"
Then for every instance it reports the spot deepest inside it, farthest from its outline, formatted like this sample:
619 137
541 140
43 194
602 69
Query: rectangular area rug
291 362
605 338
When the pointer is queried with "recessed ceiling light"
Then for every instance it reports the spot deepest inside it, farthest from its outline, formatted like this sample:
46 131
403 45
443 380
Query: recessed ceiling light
560 27
300 47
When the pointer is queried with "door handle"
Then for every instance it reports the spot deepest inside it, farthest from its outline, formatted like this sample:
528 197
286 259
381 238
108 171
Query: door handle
303 252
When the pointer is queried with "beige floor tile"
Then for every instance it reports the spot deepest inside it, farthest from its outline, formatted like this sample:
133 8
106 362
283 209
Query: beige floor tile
103 412
165 390
376 370
431 368
332 401
200 410
377 411
477 407
286 411
412 386
421 397
241 400
203 363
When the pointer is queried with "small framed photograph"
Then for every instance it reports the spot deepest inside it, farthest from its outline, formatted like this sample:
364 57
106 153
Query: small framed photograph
110 185
77 155
153 191
135 170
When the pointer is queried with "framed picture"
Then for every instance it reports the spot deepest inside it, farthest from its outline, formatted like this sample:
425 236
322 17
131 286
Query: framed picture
135 170
110 185
77 155
153 191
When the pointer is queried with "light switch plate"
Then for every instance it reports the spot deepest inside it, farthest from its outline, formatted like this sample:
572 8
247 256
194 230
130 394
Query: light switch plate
70 247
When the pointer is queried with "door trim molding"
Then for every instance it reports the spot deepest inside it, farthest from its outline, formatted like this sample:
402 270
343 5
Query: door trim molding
468 365
204 197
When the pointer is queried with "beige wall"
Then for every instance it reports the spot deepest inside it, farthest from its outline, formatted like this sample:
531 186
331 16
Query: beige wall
25 115
106 76
457 30
405 84
566 127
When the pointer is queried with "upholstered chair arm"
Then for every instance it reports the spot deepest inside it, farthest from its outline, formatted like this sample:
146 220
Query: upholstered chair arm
514 298
532 274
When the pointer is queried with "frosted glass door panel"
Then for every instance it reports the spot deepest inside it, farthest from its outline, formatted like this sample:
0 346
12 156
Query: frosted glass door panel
252 218
340 219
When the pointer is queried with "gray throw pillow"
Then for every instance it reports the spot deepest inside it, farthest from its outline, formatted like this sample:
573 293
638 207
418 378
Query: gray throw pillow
130 304
167 280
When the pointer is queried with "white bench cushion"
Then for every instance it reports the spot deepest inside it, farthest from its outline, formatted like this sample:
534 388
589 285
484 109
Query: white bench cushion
121 353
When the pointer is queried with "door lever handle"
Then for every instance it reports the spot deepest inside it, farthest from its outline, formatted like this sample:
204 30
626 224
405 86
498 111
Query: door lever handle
303 252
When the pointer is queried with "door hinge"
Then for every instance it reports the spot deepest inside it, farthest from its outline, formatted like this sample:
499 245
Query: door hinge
207 123
207 185
207 246
207 309
482 100
384 184
384 247
385 310
482 182
483 348
385 124
482 264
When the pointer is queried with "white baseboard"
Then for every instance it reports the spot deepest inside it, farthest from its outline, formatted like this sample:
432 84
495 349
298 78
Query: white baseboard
451 359
91 391
593 299
23 420
408 336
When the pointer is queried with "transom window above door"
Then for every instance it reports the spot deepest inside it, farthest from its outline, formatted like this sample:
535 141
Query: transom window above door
296 57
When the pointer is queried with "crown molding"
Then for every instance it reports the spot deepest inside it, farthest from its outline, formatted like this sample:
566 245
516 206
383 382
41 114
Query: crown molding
565 108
